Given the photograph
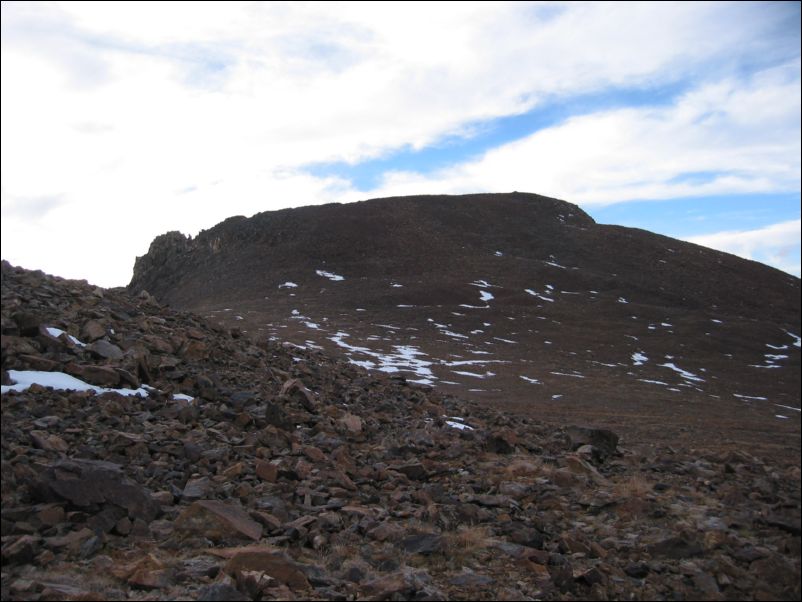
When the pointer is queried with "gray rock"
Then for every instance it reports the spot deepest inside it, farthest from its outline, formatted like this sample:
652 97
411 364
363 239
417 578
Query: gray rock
88 482
604 442
106 350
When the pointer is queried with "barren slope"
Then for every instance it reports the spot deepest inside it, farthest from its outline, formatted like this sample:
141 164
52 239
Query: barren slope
515 299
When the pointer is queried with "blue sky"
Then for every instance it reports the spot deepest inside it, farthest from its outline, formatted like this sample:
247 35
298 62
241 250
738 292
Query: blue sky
121 121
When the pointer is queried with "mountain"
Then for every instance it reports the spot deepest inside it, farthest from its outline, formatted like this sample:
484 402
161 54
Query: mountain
149 453
516 300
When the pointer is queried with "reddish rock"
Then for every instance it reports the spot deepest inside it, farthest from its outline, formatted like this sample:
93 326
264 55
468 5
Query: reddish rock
218 521
48 442
92 330
267 471
267 559
352 423
102 376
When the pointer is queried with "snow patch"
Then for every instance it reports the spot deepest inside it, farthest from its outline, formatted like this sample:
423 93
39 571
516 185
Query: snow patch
474 374
750 397
538 295
288 284
564 374
653 382
483 284
329 275
638 358
57 332
59 380
685 374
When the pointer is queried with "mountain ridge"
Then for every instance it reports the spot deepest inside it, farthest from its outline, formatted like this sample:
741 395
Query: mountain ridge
377 226
516 300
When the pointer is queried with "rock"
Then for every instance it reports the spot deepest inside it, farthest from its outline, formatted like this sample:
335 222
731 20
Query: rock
220 592
386 531
405 585
163 498
561 573
106 350
196 488
571 544
637 570
92 330
218 521
27 322
471 580
36 362
676 547
276 416
104 521
267 471
297 391
102 376
48 442
415 471
271 561
147 573
789 525
750 553
590 577
88 482
20 550
603 441
72 540
422 543
51 515
352 423
580 467
502 442
195 350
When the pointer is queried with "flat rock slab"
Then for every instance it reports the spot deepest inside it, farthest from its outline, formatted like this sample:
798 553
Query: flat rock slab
218 521
88 482
268 559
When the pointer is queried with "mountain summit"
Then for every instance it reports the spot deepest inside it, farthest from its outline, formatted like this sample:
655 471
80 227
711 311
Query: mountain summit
514 299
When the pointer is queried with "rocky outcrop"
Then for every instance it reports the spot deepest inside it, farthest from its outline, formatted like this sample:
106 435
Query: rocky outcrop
166 252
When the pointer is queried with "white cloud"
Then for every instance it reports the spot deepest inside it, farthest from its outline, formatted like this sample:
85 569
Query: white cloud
741 137
776 245
139 118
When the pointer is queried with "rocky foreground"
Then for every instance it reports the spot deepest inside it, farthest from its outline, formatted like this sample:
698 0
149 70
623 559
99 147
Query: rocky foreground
250 470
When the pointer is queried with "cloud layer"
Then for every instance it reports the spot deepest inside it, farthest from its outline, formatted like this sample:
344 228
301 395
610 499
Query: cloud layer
122 121
776 245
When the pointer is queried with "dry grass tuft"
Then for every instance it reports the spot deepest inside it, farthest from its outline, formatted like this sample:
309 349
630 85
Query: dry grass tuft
637 486
467 538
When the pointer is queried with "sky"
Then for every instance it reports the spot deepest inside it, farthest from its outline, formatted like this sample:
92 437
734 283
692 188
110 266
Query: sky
122 121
